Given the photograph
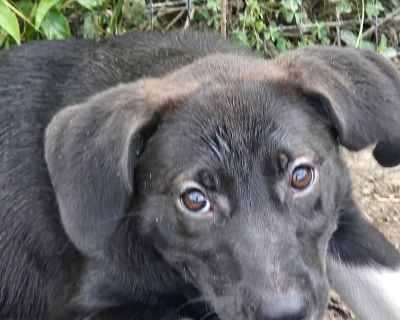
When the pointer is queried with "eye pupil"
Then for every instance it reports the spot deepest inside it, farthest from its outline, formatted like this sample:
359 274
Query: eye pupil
302 177
300 174
194 200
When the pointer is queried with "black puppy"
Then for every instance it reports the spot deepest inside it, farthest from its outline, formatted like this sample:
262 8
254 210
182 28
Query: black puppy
207 185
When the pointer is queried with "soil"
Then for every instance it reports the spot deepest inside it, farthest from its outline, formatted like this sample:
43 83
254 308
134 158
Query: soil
377 193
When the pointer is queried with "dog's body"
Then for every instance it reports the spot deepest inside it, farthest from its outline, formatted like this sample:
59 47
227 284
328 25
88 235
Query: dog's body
89 225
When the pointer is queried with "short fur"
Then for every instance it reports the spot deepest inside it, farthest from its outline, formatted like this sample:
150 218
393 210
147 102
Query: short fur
98 140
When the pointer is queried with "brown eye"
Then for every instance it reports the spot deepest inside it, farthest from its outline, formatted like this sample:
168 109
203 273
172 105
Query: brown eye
195 201
302 177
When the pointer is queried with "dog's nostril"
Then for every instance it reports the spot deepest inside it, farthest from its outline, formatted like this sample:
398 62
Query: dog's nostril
282 307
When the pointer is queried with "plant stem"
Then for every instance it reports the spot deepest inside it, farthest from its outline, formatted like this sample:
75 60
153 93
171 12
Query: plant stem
360 32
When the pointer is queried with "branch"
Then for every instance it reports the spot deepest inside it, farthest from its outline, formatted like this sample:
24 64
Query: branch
307 26
304 27
223 18
380 22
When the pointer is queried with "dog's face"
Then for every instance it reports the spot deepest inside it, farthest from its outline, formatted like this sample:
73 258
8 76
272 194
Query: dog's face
237 191
229 168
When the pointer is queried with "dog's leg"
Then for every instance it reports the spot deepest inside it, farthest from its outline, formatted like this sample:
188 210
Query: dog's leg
364 268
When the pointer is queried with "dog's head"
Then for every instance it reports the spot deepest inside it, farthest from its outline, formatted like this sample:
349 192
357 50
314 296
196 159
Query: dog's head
229 168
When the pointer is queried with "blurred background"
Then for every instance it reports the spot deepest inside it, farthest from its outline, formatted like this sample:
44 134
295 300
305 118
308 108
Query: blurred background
268 27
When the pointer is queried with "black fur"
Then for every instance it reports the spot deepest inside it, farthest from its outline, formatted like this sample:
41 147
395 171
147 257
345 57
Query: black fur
97 140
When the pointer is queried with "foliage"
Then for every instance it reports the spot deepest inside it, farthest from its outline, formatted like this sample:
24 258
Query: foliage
275 22
27 20
258 24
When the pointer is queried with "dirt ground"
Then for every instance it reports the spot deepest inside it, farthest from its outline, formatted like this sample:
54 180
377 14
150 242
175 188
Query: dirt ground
377 192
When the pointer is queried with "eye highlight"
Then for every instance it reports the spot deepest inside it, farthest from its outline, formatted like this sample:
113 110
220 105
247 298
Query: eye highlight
302 177
193 202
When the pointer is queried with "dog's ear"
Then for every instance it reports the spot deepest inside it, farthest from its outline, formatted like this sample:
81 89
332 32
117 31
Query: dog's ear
360 92
91 150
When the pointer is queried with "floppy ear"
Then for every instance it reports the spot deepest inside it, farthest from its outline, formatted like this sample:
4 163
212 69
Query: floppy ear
360 92
91 150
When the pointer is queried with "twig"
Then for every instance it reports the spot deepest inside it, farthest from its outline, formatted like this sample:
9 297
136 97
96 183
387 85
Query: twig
223 18
359 38
376 32
168 4
307 26
291 34
189 10
189 18
270 51
338 30
151 14
180 14
330 24
380 22
163 12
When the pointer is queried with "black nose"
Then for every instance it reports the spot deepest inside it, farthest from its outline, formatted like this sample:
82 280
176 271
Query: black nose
283 307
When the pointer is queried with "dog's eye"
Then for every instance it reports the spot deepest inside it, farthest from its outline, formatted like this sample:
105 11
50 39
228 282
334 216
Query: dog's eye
194 201
302 177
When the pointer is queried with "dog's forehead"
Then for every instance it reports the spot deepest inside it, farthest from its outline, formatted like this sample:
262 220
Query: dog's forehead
242 122
248 109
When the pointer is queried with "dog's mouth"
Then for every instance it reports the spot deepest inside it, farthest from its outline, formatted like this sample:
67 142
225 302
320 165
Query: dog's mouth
201 309
248 305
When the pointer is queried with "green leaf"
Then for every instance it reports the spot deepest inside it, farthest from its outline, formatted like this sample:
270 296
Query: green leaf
383 48
365 44
134 12
326 40
116 16
302 43
3 37
240 37
292 5
273 31
260 26
55 25
25 6
250 20
9 22
91 4
369 10
289 44
343 7
374 9
383 43
299 17
289 16
281 44
322 30
91 29
379 6
42 9
252 41
28 9
389 53
214 5
286 4
348 37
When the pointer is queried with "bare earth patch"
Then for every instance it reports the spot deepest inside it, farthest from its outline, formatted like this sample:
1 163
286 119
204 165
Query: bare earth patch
377 192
